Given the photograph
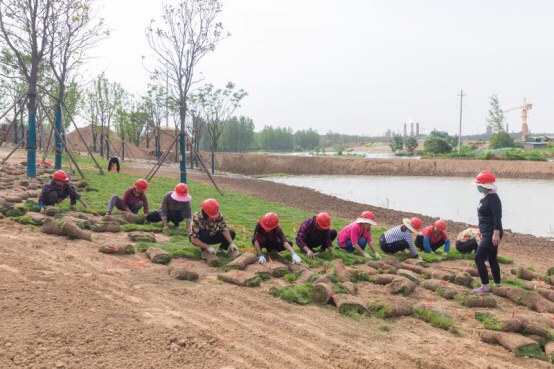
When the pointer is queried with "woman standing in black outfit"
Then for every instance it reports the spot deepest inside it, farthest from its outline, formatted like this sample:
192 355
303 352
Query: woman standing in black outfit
490 226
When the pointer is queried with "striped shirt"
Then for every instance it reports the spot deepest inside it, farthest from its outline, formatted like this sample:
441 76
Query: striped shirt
395 234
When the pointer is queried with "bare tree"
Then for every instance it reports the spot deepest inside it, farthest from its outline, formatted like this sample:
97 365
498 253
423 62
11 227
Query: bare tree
74 31
25 29
218 105
189 30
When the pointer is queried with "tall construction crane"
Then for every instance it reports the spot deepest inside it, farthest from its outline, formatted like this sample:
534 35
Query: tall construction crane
524 109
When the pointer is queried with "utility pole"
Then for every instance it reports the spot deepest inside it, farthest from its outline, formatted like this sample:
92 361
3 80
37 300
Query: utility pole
460 131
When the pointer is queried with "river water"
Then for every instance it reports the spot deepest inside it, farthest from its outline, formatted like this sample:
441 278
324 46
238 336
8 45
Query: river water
528 205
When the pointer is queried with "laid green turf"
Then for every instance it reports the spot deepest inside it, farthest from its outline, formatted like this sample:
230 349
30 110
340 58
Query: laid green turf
532 351
437 320
488 321
513 283
354 312
299 294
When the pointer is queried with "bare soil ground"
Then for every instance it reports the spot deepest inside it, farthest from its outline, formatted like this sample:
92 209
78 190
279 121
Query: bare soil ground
65 305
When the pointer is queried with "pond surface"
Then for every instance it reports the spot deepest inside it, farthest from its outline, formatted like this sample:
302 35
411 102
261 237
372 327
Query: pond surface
528 205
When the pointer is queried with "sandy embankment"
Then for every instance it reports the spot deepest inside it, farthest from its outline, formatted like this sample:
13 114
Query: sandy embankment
250 164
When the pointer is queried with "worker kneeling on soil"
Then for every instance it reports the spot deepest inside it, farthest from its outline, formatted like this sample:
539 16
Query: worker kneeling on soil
399 238
316 232
209 228
433 237
270 236
468 240
134 199
356 236
57 190
175 208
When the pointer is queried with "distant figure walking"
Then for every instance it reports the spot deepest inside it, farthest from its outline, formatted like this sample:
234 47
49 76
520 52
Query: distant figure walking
114 161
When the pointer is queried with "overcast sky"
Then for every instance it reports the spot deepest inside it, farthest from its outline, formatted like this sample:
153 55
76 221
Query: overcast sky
363 66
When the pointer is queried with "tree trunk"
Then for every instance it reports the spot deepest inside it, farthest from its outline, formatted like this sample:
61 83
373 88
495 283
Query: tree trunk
58 141
32 137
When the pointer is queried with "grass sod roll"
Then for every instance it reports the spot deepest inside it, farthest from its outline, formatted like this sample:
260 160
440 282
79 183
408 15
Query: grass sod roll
63 227
412 276
401 285
343 274
141 237
211 259
448 293
106 227
260 270
514 342
305 276
527 274
52 210
463 279
116 248
435 284
391 308
412 268
351 287
322 293
240 278
158 256
382 279
348 304
133 218
182 273
531 299
243 261
472 300
276 268
549 351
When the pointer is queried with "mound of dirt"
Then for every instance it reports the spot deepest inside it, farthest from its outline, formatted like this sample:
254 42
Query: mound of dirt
131 151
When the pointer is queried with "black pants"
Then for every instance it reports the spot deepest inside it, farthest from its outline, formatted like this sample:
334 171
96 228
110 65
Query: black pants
487 250
393 247
271 246
434 246
53 199
205 237
115 201
113 161
315 240
466 247
173 216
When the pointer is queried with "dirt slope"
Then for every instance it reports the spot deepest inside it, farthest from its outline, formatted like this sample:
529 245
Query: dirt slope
65 305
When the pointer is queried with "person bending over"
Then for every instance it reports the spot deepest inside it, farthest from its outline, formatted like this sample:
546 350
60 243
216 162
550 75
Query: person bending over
468 240
269 236
355 236
58 190
433 237
315 232
134 199
209 228
399 238
175 208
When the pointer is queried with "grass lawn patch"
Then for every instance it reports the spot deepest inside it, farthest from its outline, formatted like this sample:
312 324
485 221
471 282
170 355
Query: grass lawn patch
489 321
437 320
299 294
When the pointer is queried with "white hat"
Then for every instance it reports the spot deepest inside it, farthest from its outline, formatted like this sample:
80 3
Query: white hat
408 223
366 220
488 186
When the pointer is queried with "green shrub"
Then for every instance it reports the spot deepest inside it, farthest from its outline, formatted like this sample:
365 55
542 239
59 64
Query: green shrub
437 145
501 139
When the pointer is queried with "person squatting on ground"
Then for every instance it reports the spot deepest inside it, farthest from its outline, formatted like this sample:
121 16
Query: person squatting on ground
175 208
316 232
134 199
209 228
468 240
270 236
399 238
57 190
489 212
114 162
357 235
433 237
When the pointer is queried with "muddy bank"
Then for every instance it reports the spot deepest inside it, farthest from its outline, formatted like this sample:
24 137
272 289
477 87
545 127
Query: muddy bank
251 164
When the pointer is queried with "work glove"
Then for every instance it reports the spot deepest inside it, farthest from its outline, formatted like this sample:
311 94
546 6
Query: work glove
447 246
296 259
42 210
233 247
261 259
211 250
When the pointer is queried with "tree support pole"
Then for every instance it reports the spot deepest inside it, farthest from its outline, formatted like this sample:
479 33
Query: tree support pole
32 137
58 140
83 140
157 166
11 152
13 121
183 163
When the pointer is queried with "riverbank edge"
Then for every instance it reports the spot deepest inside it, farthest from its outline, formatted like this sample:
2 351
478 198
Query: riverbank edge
253 165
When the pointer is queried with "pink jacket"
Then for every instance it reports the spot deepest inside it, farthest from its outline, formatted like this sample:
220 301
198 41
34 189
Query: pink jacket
352 232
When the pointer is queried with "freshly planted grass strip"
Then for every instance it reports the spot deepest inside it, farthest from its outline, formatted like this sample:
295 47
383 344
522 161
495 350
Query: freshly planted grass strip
550 271
436 317
25 220
504 260
156 228
299 294
291 277
489 321
340 288
513 283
